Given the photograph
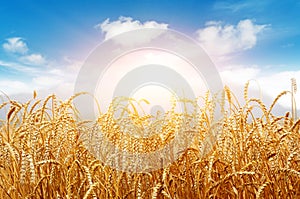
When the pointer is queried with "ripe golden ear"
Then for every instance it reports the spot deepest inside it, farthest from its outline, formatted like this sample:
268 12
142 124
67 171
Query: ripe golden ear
34 94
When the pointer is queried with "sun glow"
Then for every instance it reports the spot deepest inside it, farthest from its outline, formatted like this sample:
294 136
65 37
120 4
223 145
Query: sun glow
157 94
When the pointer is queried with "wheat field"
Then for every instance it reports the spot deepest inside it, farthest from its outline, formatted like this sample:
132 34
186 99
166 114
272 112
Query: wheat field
43 155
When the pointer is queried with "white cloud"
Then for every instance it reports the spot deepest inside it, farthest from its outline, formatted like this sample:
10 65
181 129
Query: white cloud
240 74
53 78
19 67
11 86
223 40
15 45
125 24
271 84
34 59
241 5
232 7
18 46
46 81
56 76
274 83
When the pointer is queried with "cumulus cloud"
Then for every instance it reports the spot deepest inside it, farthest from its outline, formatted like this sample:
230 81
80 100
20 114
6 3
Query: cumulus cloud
15 45
244 73
266 85
33 59
54 77
57 77
222 40
10 86
110 30
19 47
18 67
125 24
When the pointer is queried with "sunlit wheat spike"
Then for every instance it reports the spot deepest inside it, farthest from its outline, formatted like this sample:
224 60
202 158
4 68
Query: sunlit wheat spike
246 88
9 115
34 106
276 99
32 169
294 90
294 85
261 189
167 195
156 190
291 171
4 104
48 162
34 94
24 165
90 192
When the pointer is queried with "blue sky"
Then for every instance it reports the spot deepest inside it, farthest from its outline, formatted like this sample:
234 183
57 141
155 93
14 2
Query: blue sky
65 28
51 38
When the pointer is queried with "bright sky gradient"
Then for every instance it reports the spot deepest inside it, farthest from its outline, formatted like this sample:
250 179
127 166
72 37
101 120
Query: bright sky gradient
44 43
